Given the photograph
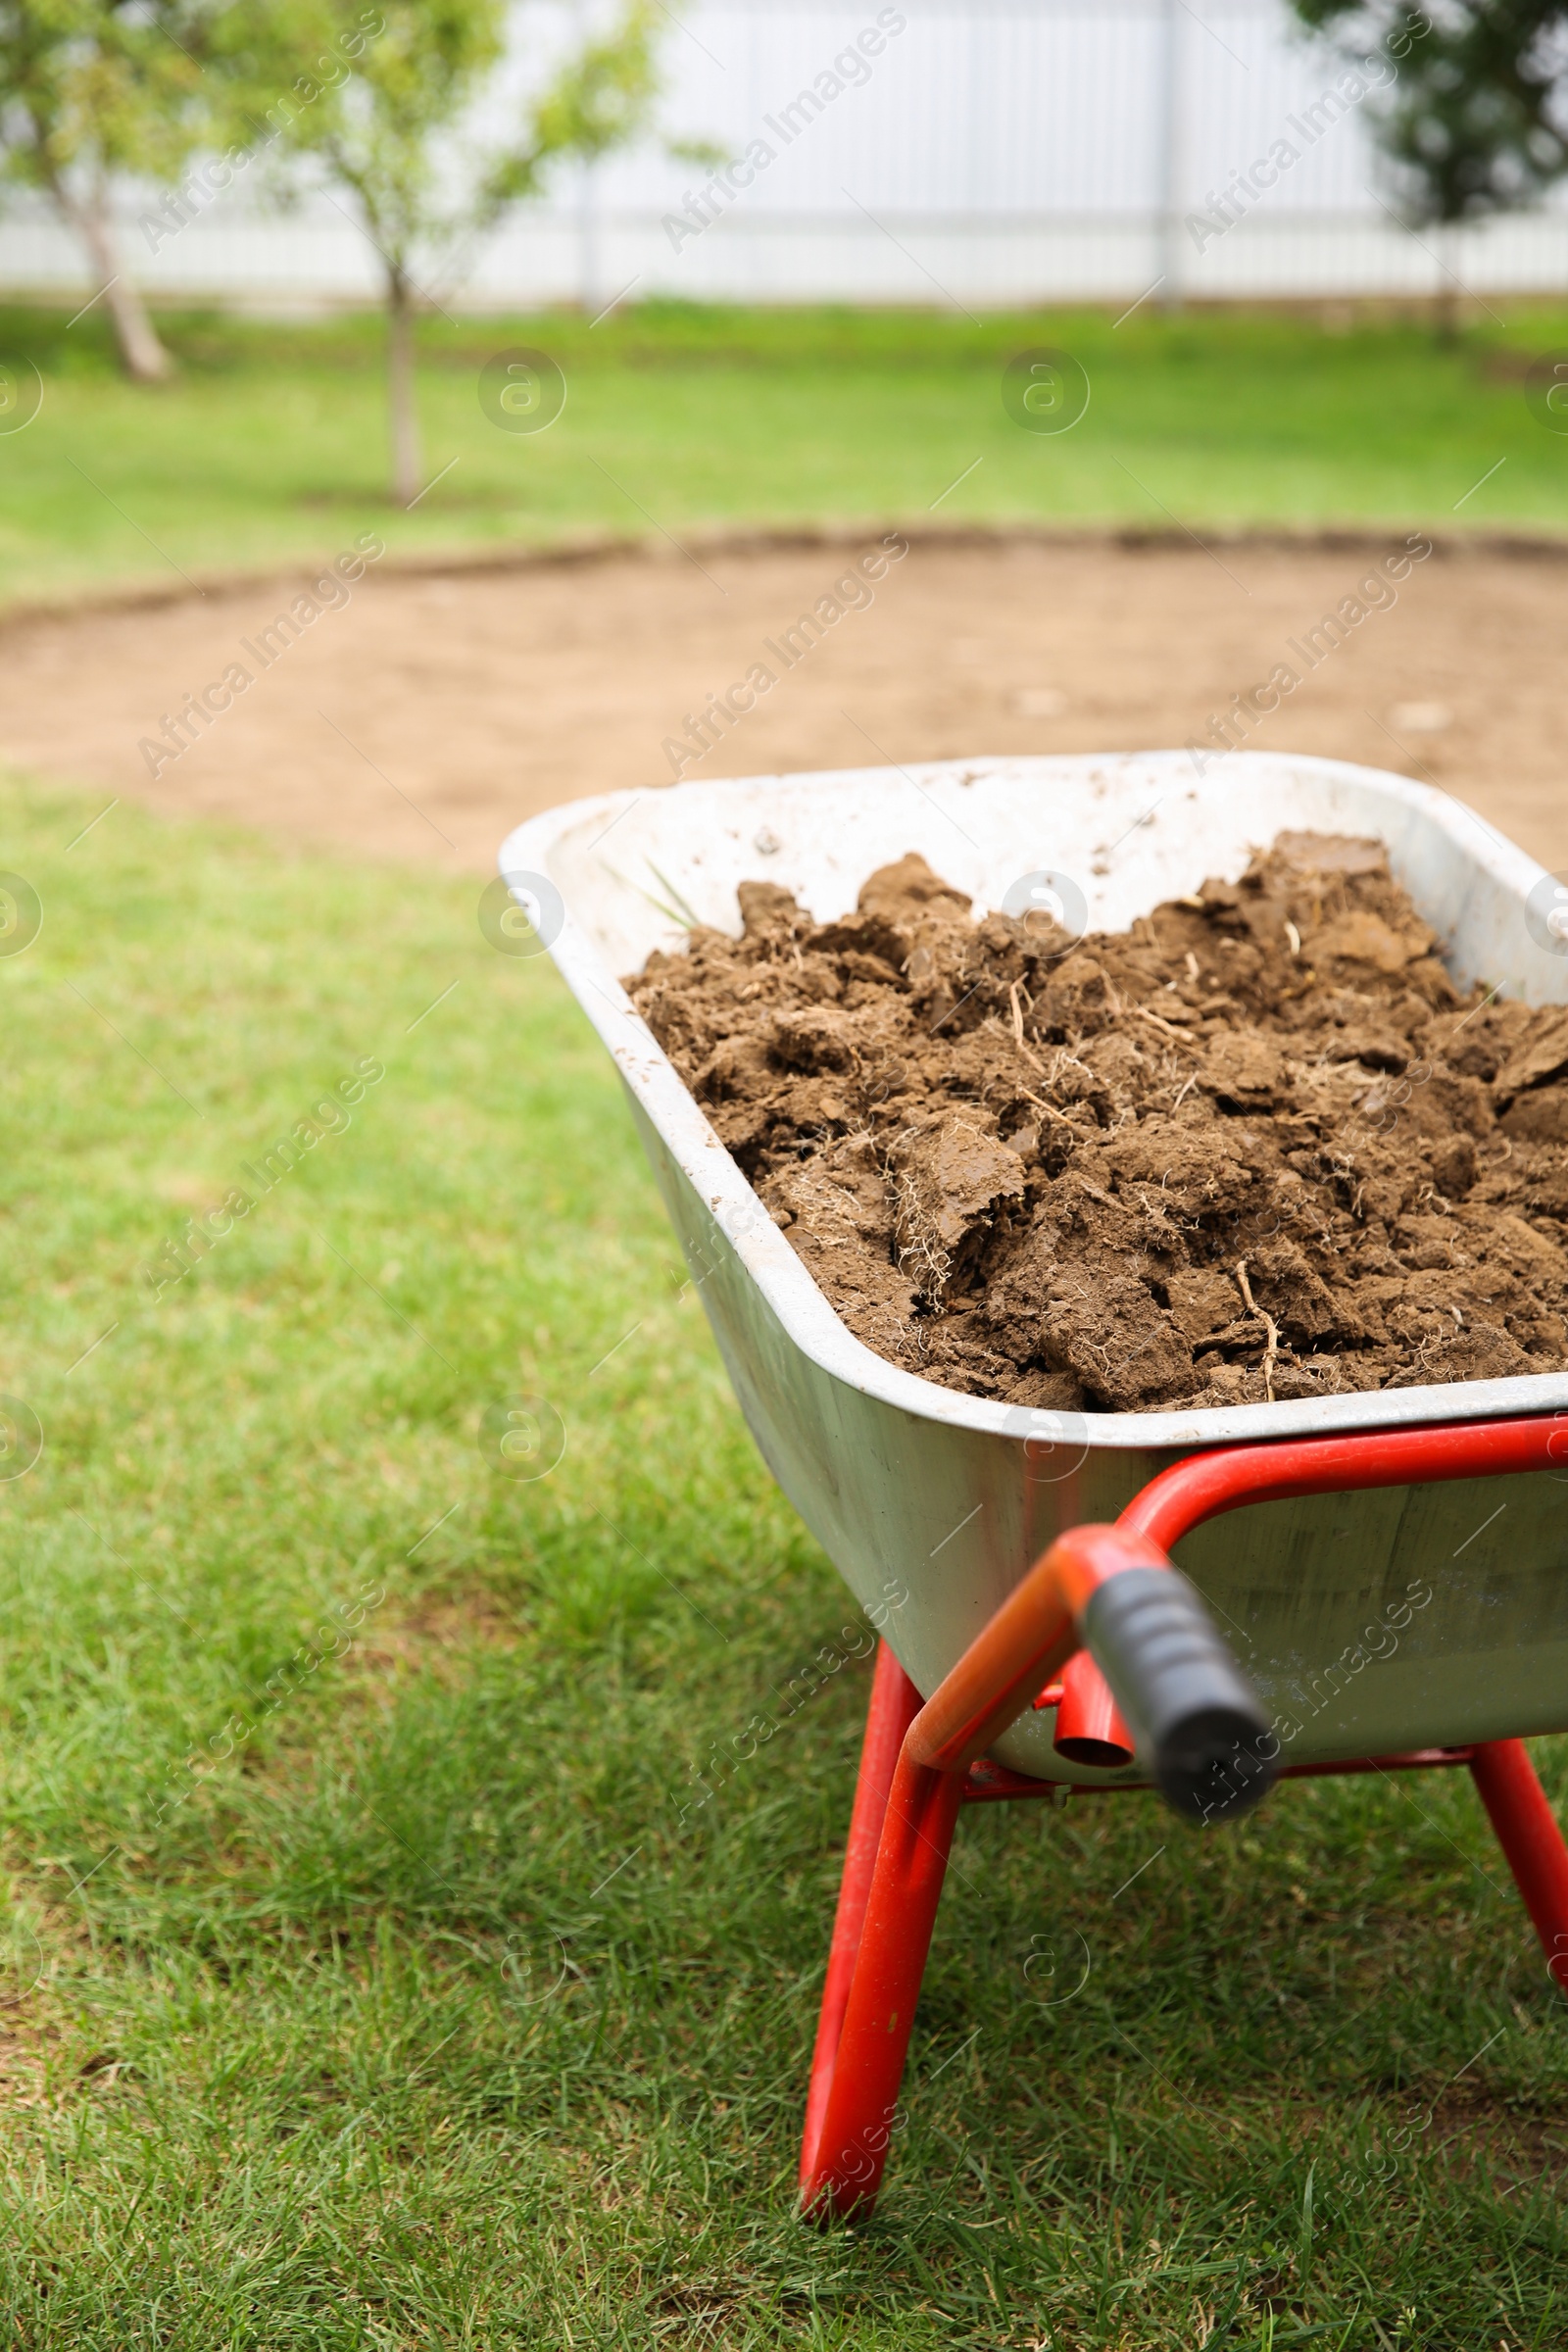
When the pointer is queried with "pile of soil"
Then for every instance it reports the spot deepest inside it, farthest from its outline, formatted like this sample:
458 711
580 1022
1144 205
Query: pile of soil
1257 1147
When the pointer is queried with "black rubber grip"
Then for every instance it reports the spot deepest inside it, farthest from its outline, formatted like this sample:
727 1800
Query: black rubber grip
1192 1711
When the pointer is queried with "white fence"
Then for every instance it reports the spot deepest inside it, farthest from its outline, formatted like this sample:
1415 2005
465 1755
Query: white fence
999 152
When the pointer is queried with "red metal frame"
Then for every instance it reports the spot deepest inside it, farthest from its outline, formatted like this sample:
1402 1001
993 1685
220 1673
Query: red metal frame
922 1762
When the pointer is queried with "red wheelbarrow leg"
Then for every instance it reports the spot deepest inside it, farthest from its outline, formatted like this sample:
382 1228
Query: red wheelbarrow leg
1529 1835
1098 1583
843 2170
894 1705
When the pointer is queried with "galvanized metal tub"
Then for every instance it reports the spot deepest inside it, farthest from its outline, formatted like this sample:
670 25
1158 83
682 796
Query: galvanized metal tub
1372 1622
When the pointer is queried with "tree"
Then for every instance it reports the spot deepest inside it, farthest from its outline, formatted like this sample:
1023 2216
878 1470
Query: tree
93 88
1476 120
392 136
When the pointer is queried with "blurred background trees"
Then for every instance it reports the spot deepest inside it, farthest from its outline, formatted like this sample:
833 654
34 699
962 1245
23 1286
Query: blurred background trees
1475 120
376 102
396 137
90 89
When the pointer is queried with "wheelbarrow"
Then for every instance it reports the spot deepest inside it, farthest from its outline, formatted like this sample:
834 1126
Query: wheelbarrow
1361 1582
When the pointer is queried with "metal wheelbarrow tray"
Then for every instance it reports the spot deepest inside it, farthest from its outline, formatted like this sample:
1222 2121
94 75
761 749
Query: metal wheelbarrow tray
1397 1588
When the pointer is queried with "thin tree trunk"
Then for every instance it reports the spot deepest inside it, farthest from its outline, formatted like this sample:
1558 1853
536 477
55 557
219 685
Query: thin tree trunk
402 417
1445 311
142 355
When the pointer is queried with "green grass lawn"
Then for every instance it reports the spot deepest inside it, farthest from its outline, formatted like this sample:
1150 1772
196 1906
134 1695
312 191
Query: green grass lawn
270 444
366 1977
363 1984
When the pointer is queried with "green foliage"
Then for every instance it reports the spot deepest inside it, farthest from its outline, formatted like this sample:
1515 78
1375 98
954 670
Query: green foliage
389 131
98 86
417 69
424 2017
1476 123
91 90
599 100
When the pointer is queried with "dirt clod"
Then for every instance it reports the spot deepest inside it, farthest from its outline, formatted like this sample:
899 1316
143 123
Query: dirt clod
1256 1147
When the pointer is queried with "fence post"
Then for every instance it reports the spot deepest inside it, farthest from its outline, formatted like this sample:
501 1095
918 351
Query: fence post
1168 104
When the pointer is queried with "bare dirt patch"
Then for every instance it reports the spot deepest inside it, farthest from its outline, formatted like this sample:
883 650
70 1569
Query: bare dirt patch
1258 1146
430 714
